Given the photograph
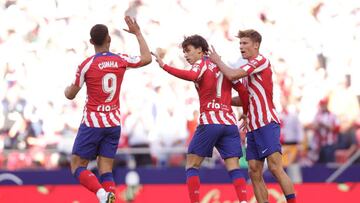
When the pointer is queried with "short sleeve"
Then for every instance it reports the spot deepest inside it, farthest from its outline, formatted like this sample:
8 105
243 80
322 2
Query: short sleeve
132 61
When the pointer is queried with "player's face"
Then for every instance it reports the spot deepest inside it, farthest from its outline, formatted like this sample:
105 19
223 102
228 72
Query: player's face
248 48
192 54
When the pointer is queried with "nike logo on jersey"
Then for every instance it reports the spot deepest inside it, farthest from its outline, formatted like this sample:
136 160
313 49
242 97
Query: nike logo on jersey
263 151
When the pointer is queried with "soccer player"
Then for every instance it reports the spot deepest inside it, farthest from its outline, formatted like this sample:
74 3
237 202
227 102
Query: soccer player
217 125
99 132
263 136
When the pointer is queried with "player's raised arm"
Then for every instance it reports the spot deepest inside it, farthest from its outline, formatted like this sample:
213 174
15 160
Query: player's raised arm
231 74
190 75
134 28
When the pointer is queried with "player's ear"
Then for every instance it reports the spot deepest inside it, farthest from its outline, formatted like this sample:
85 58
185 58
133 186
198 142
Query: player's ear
257 45
91 41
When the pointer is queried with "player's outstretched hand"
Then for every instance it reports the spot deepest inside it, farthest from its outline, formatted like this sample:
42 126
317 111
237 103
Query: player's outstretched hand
213 55
158 60
133 27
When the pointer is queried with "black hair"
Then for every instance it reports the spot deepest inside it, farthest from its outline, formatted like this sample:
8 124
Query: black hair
98 34
196 41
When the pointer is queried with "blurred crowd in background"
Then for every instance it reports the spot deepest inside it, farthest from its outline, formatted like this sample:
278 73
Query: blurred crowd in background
313 47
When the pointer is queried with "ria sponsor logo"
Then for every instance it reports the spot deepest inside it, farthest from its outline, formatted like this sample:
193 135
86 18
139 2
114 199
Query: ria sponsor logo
213 105
105 108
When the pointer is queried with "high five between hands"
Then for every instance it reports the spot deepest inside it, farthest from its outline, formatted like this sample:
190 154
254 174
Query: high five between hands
158 59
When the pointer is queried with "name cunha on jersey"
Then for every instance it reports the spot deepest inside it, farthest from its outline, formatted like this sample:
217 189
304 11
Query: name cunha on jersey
108 64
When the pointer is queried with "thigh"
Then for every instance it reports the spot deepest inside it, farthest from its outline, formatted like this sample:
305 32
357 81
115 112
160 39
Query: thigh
251 147
87 142
204 140
267 139
110 142
229 143
274 160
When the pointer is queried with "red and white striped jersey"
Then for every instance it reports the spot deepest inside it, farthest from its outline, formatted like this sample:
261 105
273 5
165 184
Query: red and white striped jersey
103 74
214 91
260 88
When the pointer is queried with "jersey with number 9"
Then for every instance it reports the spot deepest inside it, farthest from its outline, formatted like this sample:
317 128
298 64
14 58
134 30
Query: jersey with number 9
103 74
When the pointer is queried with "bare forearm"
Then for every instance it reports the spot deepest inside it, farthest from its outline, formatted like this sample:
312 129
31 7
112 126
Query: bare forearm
68 93
144 50
71 91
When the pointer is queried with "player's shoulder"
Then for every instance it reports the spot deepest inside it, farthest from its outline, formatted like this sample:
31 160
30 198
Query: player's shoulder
204 62
258 60
87 60
125 56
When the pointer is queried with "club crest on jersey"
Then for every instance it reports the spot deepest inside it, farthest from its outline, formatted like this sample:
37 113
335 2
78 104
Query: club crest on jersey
108 64
195 67
211 66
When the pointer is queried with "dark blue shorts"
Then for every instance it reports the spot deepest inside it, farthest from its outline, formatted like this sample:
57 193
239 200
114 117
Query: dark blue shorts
91 142
263 142
225 138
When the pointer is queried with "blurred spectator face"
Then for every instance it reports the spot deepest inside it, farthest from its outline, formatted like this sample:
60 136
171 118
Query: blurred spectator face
323 105
248 48
192 54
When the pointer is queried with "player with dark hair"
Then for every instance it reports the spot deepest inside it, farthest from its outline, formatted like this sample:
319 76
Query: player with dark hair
263 136
99 132
217 126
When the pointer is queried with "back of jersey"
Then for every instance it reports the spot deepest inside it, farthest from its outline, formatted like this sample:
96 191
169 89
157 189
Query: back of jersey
103 74
214 91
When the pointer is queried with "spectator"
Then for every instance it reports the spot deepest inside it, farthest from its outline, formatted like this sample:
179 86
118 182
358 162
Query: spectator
326 129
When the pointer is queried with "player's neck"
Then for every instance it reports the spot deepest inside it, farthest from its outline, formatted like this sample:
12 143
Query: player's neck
101 49
254 56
